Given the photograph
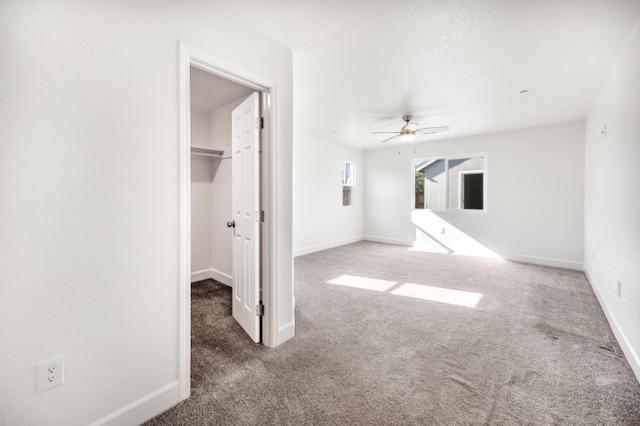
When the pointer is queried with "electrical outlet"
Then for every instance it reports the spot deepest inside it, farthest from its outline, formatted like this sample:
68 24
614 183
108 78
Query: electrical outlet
619 289
50 374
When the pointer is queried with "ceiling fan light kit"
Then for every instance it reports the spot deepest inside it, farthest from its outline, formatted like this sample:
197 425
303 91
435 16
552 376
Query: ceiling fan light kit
409 131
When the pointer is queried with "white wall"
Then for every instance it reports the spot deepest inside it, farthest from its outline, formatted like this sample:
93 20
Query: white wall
320 219
201 130
203 171
89 259
612 198
534 199
221 236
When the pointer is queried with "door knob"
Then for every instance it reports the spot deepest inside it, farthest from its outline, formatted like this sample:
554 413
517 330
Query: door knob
231 224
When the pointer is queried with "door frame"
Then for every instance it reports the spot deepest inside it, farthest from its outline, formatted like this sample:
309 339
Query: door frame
192 56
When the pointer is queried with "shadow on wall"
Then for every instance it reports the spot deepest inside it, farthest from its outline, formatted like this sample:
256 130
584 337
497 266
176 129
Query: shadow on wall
434 234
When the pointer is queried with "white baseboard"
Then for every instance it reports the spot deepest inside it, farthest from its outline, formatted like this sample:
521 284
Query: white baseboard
222 277
387 240
627 349
213 274
546 261
205 274
144 408
325 246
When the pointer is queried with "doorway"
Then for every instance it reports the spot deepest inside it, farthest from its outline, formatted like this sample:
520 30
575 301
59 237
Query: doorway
472 184
225 191
212 101
277 286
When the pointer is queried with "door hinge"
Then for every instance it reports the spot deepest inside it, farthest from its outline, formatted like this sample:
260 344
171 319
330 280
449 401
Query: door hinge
260 309
260 123
260 216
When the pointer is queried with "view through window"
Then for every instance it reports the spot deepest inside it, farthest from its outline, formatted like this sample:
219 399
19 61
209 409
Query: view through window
348 179
450 183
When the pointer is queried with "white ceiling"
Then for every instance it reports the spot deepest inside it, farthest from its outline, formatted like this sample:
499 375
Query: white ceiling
359 65
209 92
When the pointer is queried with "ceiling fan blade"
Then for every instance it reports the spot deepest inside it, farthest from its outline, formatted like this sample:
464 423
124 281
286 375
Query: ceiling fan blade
378 133
388 139
430 130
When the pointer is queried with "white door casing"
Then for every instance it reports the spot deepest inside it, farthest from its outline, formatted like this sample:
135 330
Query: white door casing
278 322
245 204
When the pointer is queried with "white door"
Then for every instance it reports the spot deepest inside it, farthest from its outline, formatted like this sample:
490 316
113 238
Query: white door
245 203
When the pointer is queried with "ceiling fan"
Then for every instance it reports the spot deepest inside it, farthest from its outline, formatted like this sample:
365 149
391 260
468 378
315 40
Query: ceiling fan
410 130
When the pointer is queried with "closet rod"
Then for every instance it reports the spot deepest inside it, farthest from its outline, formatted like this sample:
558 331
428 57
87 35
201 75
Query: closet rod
207 152
202 154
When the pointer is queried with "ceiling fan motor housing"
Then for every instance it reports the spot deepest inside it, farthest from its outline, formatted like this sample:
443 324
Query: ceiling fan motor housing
409 131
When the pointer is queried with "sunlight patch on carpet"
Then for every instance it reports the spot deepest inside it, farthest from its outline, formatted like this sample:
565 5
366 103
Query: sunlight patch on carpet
363 283
438 294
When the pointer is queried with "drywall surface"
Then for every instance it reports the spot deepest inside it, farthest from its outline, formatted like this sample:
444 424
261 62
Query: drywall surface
320 219
612 198
201 128
203 171
221 236
534 201
89 172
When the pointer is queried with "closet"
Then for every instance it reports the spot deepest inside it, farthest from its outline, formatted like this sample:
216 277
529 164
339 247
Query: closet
212 101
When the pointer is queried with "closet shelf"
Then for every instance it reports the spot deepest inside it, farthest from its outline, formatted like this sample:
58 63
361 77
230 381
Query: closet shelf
207 152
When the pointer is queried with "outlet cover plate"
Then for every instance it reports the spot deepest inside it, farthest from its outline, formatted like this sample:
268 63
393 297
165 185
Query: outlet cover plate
50 374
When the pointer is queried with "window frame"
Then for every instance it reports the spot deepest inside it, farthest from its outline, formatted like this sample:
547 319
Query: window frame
446 159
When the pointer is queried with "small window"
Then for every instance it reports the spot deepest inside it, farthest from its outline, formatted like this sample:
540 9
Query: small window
450 183
348 179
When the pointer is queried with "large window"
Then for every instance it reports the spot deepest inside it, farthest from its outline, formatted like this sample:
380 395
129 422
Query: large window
450 183
348 179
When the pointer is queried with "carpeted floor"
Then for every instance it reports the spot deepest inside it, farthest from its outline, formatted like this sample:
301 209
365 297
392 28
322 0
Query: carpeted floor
535 350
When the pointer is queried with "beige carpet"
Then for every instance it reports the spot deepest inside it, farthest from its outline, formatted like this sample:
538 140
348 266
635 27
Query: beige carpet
536 348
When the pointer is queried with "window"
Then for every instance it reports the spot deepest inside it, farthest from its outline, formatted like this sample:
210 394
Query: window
450 183
348 179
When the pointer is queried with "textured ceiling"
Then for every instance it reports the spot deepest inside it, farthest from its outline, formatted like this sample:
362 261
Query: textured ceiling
360 65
